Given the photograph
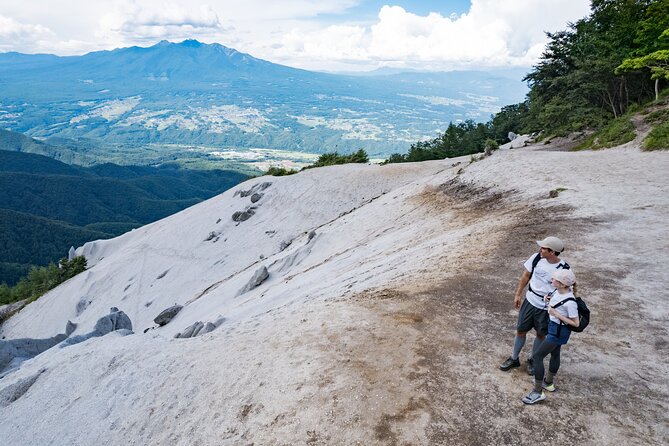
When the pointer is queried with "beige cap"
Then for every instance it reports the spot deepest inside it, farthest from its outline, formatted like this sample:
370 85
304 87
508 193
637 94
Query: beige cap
565 276
553 243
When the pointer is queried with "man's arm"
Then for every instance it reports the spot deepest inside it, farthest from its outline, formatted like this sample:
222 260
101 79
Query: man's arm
522 283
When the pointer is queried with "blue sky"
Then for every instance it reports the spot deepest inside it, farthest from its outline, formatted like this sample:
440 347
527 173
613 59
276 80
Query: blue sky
368 10
332 35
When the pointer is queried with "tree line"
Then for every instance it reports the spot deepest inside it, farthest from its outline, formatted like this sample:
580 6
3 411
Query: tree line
590 73
41 279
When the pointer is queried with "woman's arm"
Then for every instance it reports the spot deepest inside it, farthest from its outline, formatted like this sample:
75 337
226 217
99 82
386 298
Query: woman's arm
574 322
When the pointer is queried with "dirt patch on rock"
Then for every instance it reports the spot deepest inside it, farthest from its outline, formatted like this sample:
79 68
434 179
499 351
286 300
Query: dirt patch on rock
467 321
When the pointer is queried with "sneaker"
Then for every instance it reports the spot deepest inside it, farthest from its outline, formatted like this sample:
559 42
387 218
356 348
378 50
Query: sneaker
548 387
530 366
534 397
509 364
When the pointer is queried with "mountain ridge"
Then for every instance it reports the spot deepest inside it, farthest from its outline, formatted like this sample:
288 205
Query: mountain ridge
207 94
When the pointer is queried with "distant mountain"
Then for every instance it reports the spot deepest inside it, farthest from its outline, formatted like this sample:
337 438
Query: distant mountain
47 206
191 93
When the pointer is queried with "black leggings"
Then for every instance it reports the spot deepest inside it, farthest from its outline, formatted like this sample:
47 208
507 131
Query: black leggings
553 365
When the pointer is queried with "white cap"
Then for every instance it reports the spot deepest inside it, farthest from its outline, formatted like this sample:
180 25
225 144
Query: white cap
564 276
553 243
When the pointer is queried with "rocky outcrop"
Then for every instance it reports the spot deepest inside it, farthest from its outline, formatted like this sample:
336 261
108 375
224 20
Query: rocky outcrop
255 189
167 315
259 277
6 311
25 348
199 328
240 216
16 390
116 320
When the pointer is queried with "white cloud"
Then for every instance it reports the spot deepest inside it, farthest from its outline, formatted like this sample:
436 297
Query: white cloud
15 35
491 33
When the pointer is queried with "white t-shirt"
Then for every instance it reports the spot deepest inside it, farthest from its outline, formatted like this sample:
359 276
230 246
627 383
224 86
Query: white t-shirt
569 309
541 280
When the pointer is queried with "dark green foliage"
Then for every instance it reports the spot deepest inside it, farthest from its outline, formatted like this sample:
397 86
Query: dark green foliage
657 116
333 158
465 138
658 138
280 171
18 142
27 240
574 86
42 279
47 206
614 133
514 118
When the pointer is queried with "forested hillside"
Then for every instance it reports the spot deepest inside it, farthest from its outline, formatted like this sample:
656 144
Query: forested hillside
590 77
47 206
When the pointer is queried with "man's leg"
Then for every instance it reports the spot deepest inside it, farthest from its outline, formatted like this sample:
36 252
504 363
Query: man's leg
518 344
541 328
512 362
525 324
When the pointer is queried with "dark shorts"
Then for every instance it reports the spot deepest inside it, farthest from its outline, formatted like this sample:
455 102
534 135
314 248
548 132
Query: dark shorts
532 317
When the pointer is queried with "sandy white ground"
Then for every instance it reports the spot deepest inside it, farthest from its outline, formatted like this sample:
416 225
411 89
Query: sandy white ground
386 327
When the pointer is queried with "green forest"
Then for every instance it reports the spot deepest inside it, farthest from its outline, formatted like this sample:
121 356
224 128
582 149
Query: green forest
590 77
47 206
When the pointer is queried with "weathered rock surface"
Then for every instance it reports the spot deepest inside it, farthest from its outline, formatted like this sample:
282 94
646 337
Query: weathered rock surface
16 390
26 348
167 315
6 311
115 320
199 328
257 188
259 277
240 216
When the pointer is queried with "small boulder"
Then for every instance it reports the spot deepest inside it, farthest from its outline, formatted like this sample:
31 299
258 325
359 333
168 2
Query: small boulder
240 216
167 315
259 277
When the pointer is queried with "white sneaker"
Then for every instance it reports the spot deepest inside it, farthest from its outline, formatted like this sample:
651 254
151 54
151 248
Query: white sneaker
534 397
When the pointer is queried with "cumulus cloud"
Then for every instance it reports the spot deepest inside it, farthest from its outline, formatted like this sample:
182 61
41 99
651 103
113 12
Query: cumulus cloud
304 33
492 33
15 36
134 22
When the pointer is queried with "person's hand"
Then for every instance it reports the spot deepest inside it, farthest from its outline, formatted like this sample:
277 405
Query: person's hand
547 297
517 300
552 312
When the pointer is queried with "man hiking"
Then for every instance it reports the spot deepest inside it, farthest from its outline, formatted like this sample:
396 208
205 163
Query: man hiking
538 272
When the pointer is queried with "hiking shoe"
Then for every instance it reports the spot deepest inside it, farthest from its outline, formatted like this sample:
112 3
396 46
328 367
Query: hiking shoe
509 364
530 366
548 387
534 397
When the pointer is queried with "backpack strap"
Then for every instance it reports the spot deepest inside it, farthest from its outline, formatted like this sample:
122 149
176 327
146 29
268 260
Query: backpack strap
559 304
562 302
535 262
